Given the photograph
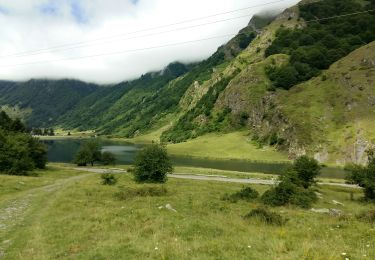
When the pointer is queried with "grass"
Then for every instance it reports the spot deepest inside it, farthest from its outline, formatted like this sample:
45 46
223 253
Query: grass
84 220
234 145
10 185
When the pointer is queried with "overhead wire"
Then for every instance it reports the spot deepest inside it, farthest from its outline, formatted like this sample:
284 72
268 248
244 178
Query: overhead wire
166 45
141 31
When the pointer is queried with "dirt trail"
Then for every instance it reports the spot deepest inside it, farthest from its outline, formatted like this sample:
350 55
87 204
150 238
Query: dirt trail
16 209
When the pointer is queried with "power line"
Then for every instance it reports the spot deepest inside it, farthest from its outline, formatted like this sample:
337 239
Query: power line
141 36
338 16
121 52
142 30
166 45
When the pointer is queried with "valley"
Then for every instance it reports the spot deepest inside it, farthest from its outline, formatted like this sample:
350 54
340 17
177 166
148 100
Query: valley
263 148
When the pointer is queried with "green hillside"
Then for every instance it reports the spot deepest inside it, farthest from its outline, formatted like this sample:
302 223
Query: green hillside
46 99
111 109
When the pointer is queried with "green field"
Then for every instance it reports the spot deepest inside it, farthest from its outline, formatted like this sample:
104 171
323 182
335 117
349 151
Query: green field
236 145
65 214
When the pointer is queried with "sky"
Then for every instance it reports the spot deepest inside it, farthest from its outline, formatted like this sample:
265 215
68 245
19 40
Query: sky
108 41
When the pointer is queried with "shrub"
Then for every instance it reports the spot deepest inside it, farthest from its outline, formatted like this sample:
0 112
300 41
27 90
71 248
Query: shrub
294 185
152 164
279 195
303 198
146 191
368 216
246 193
289 193
266 216
108 178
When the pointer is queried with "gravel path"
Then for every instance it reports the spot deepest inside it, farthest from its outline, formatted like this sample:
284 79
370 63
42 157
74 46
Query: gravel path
214 178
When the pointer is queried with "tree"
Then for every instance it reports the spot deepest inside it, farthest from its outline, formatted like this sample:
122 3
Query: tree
38 153
307 169
5 121
283 77
294 186
20 153
89 153
17 126
152 164
108 158
364 176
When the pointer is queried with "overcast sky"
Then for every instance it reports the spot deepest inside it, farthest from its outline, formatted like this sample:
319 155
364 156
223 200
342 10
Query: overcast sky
32 29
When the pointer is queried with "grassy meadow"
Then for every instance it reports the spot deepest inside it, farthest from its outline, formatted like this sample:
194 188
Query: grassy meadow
236 145
66 214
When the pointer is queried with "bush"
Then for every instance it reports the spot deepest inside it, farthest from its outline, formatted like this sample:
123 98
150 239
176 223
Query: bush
246 193
152 164
108 178
146 191
266 216
289 193
368 216
294 185
303 198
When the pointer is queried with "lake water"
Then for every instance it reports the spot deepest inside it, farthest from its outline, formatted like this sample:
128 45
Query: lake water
65 150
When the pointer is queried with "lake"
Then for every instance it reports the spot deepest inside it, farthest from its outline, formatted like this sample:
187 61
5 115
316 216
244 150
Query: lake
65 150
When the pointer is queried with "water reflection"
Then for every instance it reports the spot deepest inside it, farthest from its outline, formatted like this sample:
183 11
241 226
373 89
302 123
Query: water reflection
65 150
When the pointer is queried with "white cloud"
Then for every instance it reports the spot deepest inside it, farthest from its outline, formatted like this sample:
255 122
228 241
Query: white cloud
42 24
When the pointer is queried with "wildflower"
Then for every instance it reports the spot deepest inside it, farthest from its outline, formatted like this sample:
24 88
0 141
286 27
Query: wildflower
248 246
343 253
156 248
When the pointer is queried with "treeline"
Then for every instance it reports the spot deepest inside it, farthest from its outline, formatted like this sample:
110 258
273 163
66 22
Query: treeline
42 131
320 43
90 152
20 153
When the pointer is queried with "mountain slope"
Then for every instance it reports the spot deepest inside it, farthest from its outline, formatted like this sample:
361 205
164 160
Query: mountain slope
153 100
294 120
47 99
333 115
105 110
